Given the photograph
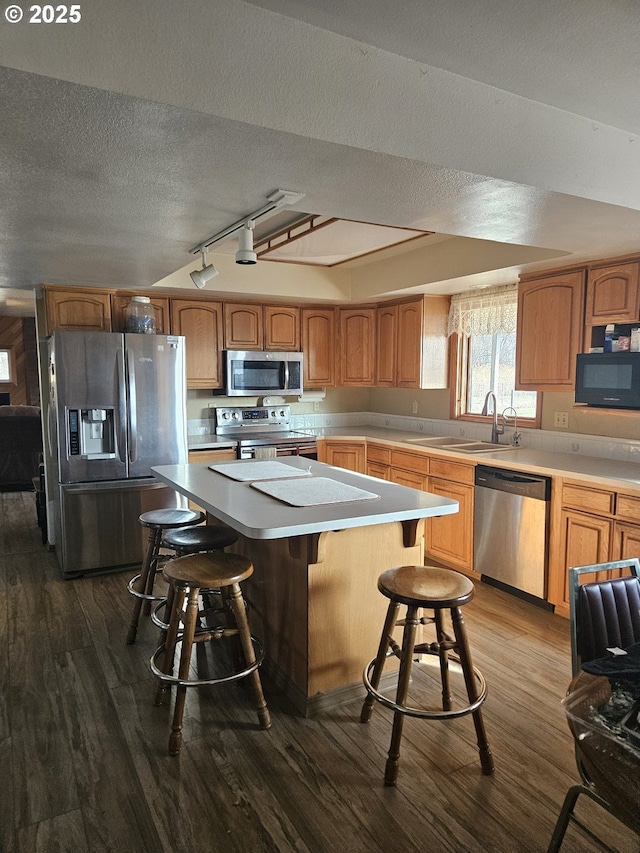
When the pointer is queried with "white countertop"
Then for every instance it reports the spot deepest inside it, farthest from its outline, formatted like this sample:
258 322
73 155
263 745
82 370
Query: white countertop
603 472
259 516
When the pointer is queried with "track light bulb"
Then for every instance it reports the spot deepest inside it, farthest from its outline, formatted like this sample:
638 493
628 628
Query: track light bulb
245 253
201 277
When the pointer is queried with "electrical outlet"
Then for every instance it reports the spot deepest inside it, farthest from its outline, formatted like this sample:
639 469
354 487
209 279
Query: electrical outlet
414 407
561 420
316 407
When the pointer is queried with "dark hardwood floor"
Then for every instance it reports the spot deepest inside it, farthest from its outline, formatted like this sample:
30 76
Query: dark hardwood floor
84 766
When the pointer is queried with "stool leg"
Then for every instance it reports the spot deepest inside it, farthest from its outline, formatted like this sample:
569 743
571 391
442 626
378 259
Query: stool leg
152 546
390 621
190 620
169 638
443 655
151 576
240 613
486 758
404 676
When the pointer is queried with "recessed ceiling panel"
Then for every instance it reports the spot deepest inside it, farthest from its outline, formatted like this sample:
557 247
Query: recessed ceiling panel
334 241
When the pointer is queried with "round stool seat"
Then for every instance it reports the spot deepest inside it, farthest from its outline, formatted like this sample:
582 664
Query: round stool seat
426 586
209 570
160 519
191 540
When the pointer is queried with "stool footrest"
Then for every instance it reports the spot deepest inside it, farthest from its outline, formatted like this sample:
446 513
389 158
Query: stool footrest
423 712
143 595
203 682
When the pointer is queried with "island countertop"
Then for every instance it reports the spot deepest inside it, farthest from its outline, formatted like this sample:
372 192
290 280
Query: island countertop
259 516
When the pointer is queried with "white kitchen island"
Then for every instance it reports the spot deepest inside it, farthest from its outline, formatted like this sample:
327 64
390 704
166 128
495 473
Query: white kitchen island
313 595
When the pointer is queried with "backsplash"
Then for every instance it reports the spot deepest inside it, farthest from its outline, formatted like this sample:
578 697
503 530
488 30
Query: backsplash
620 449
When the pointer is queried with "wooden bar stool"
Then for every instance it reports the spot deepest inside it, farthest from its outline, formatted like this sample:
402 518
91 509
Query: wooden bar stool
187 576
436 589
193 540
141 585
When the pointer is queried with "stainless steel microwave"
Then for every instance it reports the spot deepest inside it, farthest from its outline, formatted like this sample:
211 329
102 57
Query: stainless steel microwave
610 380
254 374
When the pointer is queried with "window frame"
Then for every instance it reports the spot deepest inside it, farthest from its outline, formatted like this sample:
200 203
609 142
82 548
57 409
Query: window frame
458 382
13 375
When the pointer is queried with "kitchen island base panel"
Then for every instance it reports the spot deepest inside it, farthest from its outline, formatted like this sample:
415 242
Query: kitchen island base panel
317 609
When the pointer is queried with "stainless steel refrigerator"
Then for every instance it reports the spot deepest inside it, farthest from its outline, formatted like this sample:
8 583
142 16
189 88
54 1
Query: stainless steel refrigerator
116 407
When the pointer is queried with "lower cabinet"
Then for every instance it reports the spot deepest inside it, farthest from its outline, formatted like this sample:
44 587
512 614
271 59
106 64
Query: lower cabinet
343 454
595 526
449 538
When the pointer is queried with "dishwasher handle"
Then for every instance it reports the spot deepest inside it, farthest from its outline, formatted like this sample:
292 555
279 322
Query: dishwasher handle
514 482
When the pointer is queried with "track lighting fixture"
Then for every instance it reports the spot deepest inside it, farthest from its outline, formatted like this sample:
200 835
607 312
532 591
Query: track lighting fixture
208 271
245 253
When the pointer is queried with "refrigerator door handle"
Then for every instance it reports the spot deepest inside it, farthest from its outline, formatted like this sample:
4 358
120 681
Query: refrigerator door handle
133 408
121 417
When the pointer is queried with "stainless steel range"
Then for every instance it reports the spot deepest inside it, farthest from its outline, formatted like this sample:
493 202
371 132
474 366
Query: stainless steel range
264 432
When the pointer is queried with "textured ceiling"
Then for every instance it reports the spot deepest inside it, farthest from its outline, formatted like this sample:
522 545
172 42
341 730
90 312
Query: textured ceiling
130 137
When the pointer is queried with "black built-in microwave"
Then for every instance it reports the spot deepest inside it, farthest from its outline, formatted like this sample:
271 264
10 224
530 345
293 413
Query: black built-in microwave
610 380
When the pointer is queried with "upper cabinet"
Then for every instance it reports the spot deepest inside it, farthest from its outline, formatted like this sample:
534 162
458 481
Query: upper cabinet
549 335
613 294
357 334
243 327
319 347
77 310
411 344
422 347
386 345
261 327
160 306
201 323
281 328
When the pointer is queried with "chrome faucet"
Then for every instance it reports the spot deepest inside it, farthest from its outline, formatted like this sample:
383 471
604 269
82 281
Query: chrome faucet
515 438
496 431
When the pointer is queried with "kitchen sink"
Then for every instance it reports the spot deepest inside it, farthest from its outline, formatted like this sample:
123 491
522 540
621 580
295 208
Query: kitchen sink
438 441
482 447
463 445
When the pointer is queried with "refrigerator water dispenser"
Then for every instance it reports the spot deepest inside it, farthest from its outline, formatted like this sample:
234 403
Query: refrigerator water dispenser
92 433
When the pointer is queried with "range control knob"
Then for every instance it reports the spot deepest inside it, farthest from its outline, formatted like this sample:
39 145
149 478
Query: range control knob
235 415
282 413
225 416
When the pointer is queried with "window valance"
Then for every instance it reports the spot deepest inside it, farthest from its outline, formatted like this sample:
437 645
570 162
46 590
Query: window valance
484 312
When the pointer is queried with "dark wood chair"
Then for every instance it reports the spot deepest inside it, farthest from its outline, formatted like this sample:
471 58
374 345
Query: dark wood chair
434 589
603 614
141 586
187 577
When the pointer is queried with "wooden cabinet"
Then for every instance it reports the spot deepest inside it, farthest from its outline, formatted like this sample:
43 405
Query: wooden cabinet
343 454
319 347
281 328
411 343
595 526
449 538
378 461
261 327
243 328
77 310
386 345
357 346
201 323
549 335
160 305
422 349
613 294
410 469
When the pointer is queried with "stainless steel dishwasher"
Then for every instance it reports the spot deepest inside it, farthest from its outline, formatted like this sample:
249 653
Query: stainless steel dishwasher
511 522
